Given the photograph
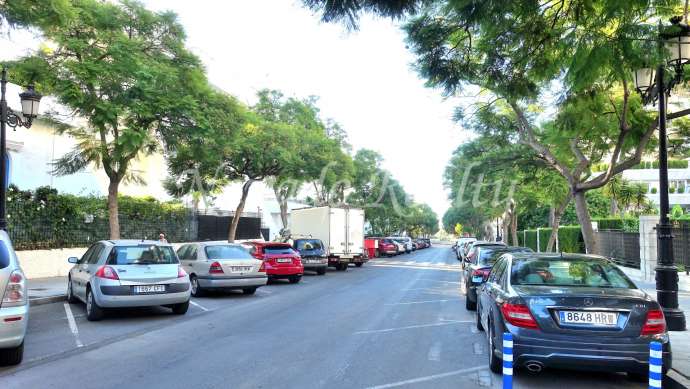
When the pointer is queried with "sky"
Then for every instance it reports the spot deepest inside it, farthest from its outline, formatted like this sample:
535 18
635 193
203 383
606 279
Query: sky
364 79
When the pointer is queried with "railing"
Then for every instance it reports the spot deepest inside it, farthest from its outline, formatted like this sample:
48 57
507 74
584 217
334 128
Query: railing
621 247
681 245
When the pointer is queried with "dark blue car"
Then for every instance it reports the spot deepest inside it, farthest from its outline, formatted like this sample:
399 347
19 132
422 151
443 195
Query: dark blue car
313 254
569 311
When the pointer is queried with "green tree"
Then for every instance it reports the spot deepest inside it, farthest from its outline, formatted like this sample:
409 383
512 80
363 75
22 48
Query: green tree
126 71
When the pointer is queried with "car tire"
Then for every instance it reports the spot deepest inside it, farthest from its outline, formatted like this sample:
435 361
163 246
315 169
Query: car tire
180 309
12 356
249 290
495 363
479 320
321 271
469 304
71 298
295 279
93 311
197 291
359 264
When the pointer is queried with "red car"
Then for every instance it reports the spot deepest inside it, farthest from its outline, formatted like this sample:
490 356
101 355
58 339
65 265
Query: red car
387 247
280 260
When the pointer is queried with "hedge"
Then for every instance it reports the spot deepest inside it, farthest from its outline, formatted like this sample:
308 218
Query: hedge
672 164
628 224
43 218
569 239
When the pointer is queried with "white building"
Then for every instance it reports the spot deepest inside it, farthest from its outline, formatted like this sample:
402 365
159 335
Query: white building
679 180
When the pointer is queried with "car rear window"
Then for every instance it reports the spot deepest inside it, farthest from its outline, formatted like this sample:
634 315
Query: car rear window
568 272
4 255
489 256
309 244
226 252
278 250
142 255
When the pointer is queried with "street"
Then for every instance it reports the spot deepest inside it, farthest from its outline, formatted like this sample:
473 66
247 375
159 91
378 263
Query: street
396 322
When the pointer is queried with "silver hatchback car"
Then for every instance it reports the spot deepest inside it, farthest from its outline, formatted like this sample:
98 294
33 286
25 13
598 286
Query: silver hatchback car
14 306
128 273
221 265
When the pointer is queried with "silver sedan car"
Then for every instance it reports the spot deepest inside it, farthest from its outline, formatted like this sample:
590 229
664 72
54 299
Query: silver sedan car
221 265
14 308
128 273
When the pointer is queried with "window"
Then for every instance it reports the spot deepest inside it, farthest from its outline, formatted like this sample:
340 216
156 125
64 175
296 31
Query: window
182 251
96 254
87 254
273 250
497 271
586 272
142 255
4 255
226 252
308 244
192 253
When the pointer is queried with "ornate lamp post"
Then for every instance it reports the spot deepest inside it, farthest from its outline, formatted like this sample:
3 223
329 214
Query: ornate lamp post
30 103
652 86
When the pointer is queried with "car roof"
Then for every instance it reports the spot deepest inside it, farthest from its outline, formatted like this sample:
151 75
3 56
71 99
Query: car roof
134 242
217 243
556 256
273 244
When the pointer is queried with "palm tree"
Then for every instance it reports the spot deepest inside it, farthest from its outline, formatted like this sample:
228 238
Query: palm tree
613 191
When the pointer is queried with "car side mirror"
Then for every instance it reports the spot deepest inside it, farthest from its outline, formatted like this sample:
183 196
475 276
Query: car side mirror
72 259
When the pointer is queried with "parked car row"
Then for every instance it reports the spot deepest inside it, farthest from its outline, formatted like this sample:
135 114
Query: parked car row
563 311
395 245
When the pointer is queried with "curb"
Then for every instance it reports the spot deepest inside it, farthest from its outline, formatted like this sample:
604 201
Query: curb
33 301
675 380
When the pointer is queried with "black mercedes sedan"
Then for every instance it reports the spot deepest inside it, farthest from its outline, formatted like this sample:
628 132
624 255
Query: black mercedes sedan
569 311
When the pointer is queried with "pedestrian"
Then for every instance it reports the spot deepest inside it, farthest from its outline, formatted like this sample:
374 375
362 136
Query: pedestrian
161 238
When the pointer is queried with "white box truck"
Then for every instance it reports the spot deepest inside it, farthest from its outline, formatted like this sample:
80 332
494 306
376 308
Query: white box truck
340 229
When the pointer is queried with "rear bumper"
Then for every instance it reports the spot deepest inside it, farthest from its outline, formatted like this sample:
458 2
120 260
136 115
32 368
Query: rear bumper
284 271
12 333
121 296
315 266
607 356
232 282
359 260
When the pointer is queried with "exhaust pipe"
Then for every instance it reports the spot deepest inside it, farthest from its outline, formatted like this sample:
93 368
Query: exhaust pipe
534 366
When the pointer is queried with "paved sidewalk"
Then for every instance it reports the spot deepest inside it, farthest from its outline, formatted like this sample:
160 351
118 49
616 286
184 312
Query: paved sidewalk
47 290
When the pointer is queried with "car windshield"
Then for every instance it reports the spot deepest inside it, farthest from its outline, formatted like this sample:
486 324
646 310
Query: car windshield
278 250
226 252
142 255
586 272
308 244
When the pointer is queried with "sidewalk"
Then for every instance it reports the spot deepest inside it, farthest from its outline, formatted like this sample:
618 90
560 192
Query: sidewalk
47 290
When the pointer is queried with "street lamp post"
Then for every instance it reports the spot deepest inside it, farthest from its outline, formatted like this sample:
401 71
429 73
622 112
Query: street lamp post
651 84
30 103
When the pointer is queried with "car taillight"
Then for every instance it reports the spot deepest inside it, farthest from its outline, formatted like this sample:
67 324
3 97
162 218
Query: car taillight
655 323
262 268
296 261
107 272
180 272
215 268
518 315
15 291
484 273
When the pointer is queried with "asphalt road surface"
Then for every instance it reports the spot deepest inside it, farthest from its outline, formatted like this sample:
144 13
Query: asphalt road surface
396 322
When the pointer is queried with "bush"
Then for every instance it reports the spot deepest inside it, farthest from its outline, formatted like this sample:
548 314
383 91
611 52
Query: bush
570 239
680 189
44 219
653 190
631 224
672 190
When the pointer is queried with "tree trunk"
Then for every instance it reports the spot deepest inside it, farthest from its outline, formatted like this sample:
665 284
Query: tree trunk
614 206
113 209
513 227
239 210
556 222
552 216
507 218
585 222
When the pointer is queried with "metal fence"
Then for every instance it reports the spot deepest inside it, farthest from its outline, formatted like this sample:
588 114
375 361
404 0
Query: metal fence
681 245
81 231
621 247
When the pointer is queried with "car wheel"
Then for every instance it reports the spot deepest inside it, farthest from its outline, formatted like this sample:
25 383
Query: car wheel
70 292
469 304
359 264
321 271
495 363
249 290
479 319
12 356
93 311
197 291
295 279
180 309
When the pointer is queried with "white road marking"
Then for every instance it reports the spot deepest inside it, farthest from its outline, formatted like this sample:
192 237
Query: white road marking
431 279
429 378
444 323
198 306
419 302
73 325
435 352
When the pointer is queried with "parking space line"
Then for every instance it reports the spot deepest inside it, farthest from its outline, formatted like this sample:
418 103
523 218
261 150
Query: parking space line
444 323
73 325
429 378
198 306
419 302
435 352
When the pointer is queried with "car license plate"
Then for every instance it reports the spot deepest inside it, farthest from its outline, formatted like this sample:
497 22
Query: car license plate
149 288
284 260
240 269
477 279
589 317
